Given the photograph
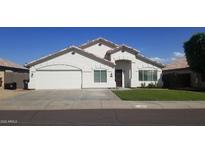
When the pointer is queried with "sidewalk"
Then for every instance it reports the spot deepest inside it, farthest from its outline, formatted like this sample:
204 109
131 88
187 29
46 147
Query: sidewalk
70 105
167 104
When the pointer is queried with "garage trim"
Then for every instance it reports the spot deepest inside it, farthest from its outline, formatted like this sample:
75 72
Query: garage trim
58 68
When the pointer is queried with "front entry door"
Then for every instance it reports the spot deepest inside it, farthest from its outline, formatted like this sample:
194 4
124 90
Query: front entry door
118 78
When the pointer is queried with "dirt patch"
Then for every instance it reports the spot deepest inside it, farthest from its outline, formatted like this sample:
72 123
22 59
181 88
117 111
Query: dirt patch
10 93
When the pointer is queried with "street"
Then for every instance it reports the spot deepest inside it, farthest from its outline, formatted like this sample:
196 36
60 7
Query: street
104 117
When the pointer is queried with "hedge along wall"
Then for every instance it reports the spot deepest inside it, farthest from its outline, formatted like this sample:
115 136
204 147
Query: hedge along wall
176 80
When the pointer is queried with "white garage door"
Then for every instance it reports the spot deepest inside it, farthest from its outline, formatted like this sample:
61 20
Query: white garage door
58 80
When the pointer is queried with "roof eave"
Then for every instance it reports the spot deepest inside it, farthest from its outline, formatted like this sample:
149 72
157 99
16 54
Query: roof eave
160 65
176 69
8 67
136 53
66 51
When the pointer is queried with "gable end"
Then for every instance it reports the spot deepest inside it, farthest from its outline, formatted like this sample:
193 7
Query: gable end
72 48
99 40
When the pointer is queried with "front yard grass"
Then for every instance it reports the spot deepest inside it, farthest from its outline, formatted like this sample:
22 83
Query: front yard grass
159 95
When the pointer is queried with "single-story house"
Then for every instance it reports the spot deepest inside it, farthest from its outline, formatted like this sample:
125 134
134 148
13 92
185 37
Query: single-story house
178 75
11 72
96 64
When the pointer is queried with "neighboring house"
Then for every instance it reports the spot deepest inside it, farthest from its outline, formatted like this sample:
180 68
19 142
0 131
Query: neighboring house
96 64
13 73
178 75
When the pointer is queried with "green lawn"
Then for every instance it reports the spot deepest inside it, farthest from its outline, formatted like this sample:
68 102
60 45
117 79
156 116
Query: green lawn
159 94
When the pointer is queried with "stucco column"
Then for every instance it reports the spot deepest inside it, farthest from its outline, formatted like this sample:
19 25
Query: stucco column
133 75
123 78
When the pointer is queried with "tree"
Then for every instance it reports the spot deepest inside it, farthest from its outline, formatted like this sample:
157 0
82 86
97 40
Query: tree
194 50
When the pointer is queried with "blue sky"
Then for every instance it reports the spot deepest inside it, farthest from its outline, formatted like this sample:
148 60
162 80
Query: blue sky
23 45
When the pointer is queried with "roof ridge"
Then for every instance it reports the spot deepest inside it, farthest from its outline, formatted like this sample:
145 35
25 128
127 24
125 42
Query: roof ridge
50 54
11 64
153 61
137 53
178 63
93 54
124 46
89 43
63 50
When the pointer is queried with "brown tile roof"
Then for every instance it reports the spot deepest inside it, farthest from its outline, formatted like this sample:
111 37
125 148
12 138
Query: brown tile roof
7 63
179 63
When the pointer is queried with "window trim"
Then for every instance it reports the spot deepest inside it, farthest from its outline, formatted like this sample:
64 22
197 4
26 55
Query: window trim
141 76
100 81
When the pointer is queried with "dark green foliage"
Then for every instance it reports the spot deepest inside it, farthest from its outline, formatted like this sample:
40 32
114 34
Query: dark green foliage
174 80
143 85
195 52
152 85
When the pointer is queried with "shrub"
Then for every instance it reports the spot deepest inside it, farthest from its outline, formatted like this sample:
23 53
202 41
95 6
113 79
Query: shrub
143 85
151 85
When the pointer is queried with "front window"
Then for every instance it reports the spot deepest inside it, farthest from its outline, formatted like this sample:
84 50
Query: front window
147 75
100 76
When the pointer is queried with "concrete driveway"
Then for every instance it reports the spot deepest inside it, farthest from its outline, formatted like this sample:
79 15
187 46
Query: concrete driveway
59 99
95 107
86 99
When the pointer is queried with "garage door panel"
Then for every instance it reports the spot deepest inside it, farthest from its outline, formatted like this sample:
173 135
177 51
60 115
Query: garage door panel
58 79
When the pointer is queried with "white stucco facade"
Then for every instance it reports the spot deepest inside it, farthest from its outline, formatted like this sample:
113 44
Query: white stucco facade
71 63
98 50
76 68
135 66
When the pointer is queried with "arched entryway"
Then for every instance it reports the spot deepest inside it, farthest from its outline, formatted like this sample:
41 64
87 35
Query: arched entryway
123 73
